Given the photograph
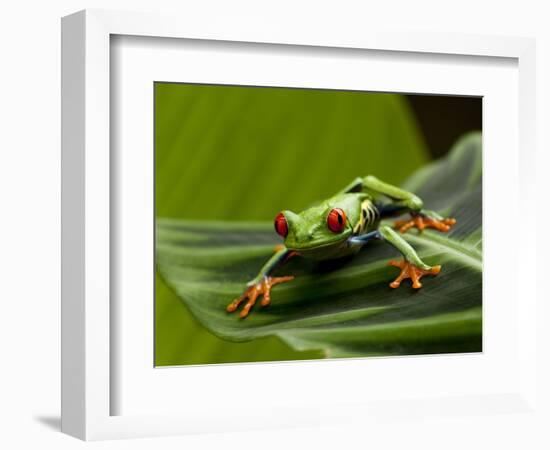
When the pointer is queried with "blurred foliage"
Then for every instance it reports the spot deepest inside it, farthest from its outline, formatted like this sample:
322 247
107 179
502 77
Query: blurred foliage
230 153
348 310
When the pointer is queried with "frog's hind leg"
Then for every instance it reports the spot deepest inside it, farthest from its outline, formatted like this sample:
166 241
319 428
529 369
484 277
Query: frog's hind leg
411 266
401 201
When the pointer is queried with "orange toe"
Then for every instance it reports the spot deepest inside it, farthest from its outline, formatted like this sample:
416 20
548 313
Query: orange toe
408 270
252 293
421 222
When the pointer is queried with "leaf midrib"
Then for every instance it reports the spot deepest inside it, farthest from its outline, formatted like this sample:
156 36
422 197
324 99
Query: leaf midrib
469 255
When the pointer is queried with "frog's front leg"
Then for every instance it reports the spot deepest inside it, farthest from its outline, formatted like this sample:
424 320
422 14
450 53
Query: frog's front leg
411 266
262 284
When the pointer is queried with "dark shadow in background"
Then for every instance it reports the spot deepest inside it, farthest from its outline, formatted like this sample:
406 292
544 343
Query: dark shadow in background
51 422
444 119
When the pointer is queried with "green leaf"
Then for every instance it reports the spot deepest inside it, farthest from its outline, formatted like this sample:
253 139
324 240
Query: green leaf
344 308
245 153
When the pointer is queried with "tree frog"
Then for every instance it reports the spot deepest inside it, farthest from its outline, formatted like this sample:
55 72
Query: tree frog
343 225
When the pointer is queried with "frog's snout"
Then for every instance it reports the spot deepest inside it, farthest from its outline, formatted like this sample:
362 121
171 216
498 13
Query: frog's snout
305 236
302 237
310 234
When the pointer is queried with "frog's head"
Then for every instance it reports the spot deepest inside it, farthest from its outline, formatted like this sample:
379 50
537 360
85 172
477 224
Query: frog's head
318 228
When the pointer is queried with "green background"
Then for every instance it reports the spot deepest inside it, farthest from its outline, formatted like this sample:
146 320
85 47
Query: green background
245 153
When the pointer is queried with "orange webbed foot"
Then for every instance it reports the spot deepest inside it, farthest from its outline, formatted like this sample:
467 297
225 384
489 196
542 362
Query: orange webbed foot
421 222
409 270
253 292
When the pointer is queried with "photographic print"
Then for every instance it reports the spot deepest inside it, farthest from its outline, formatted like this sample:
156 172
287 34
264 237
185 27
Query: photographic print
296 224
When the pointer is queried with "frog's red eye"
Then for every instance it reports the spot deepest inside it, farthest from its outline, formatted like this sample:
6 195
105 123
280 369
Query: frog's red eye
336 220
281 225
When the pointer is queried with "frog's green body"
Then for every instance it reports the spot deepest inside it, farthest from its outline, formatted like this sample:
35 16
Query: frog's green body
311 238
341 226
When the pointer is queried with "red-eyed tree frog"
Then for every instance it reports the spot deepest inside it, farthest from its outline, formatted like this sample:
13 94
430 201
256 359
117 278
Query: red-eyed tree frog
343 225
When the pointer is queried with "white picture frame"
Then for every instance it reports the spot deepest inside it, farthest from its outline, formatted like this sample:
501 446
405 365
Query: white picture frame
88 385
